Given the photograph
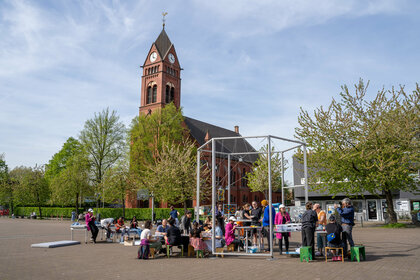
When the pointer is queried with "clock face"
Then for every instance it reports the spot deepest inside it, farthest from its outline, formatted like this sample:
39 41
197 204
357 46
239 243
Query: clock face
153 56
171 58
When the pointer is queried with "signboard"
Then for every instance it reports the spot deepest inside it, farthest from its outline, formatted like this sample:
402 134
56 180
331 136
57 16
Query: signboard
229 209
221 195
416 206
205 210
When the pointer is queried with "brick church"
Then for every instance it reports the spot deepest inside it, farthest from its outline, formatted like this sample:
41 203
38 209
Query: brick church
160 85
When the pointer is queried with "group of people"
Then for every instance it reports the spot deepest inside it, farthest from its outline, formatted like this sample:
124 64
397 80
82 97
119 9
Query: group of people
185 231
337 234
107 223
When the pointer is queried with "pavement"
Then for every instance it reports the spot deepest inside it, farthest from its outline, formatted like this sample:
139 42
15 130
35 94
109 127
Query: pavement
391 254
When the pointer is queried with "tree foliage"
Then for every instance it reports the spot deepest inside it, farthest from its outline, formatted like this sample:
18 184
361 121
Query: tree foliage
30 186
357 145
172 176
103 138
6 189
149 133
258 177
59 161
118 182
73 182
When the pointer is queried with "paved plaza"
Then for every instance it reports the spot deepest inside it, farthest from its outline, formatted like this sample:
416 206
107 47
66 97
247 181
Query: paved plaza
391 254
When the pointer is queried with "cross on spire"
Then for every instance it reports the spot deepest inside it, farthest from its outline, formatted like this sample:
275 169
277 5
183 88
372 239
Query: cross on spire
163 18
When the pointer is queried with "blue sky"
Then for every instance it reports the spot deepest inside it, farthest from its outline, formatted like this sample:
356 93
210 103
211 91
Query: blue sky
246 63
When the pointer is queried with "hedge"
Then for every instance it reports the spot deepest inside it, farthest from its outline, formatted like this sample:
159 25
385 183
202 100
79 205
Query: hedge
140 213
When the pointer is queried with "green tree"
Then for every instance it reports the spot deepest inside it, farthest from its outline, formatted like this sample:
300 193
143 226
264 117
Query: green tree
6 186
73 182
172 177
148 133
30 186
103 137
59 161
358 145
118 181
258 177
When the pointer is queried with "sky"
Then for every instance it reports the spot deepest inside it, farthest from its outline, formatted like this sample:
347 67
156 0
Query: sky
248 63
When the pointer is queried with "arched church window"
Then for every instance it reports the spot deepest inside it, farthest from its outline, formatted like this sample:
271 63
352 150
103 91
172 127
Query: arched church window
154 98
167 95
149 95
172 94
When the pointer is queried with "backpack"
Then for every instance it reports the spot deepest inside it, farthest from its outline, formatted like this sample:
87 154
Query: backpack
143 252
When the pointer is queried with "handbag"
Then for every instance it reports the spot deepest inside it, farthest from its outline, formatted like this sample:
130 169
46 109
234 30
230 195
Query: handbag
331 237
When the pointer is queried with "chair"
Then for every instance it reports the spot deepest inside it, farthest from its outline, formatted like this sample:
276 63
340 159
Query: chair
152 253
358 251
305 253
169 247
200 253
190 251
231 248
334 248
220 250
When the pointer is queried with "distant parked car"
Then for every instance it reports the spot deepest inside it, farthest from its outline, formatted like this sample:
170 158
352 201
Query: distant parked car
4 211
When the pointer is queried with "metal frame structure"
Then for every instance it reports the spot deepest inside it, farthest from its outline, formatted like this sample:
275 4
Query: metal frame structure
213 180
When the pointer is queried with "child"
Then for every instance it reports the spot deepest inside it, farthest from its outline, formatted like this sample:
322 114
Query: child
195 237
333 228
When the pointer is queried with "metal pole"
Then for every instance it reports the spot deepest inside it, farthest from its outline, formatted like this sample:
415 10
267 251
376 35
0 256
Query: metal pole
197 209
213 195
282 178
270 205
305 168
228 180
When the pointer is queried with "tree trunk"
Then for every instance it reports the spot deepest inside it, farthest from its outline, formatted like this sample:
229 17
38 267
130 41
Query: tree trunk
123 205
390 205
77 204
39 206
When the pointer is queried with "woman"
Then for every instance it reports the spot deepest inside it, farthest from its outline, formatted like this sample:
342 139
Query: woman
120 228
147 239
282 217
134 226
173 236
230 234
220 242
196 237
207 222
90 224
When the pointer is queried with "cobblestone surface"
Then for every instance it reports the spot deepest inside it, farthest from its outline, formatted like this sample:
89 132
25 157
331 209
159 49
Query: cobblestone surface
391 254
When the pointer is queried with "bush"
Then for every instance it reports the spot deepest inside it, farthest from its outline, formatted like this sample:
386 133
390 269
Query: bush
396 225
46 211
140 213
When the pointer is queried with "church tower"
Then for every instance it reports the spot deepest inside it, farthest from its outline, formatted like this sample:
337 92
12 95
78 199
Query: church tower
161 79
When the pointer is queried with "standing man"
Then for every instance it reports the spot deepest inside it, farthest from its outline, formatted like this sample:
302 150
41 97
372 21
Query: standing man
322 222
185 225
106 224
220 217
266 220
346 212
309 220
256 213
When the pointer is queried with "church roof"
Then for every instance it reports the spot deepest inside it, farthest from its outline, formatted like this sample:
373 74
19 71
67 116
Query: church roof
163 44
199 130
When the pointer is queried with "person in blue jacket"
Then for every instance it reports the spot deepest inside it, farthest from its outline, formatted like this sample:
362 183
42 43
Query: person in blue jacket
346 212
266 221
